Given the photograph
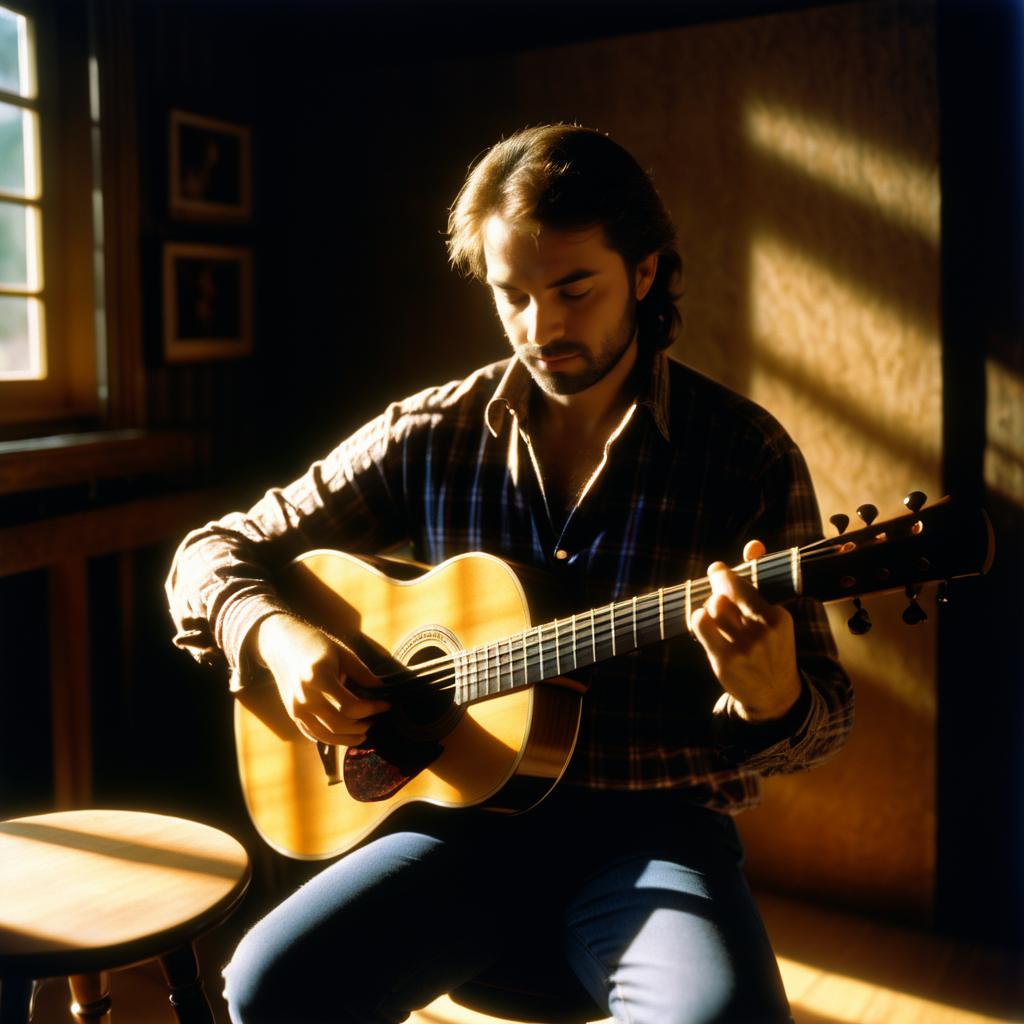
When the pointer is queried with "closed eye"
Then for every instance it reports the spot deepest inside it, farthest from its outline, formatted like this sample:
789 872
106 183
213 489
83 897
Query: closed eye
508 296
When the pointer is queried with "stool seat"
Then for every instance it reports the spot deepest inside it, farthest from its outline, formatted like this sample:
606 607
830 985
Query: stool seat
84 892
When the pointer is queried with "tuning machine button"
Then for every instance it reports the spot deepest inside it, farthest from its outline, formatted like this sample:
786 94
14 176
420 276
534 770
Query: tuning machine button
860 621
915 501
868 513
913 614
840 522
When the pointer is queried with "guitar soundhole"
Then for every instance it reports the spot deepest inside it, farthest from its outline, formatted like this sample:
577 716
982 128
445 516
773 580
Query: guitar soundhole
429 712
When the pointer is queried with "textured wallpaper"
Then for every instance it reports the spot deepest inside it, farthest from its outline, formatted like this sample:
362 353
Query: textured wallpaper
798 154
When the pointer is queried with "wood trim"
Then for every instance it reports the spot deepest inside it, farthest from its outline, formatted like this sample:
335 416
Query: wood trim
113 34
65 459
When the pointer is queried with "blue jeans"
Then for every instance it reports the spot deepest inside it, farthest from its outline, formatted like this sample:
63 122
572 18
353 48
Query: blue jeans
636 900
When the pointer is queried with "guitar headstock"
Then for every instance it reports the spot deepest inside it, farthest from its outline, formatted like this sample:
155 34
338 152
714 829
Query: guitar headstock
942 541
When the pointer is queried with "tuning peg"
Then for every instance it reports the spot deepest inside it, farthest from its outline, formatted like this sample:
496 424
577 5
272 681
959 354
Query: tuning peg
868 513
913 614
840 522
860 621
942 595
915 501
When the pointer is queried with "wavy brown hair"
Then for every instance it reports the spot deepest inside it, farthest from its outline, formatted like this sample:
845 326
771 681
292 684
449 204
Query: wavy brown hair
568 177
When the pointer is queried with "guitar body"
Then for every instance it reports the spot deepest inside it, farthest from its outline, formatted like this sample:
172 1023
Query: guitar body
505 753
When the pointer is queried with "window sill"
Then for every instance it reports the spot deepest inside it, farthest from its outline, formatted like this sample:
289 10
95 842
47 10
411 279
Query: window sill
64 460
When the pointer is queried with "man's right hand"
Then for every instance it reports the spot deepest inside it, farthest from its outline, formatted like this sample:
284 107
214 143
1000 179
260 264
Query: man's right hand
311 672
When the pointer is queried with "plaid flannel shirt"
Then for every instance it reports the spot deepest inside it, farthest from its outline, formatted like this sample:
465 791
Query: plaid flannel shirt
691 472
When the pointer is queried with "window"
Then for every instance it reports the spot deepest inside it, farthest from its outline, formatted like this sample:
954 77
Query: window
48 336
22 320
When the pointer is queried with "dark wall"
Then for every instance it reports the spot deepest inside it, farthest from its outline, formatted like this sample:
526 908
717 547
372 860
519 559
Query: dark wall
360 144
981 698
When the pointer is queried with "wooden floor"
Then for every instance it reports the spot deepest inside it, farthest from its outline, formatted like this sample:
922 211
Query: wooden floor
838 968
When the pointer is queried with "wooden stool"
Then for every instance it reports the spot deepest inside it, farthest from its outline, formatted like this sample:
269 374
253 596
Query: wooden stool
86 892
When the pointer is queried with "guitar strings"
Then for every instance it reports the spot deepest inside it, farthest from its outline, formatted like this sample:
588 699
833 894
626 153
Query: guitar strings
529 649
598 633
446 668
533 637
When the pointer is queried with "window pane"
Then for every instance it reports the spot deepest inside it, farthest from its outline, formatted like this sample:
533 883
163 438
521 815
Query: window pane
19 246
18 147
21 351
15 73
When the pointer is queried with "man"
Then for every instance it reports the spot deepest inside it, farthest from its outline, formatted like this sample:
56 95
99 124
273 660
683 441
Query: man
592 456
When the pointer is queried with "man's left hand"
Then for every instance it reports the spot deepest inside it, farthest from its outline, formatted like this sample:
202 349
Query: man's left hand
749 642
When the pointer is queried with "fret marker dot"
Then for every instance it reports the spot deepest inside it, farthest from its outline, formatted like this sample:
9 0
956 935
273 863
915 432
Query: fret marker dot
561 554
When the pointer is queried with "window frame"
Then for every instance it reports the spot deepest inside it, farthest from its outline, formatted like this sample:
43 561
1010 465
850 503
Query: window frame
68 397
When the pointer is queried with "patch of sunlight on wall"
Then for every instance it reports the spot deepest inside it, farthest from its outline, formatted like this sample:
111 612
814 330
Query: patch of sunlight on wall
1004 432
857 385
889 182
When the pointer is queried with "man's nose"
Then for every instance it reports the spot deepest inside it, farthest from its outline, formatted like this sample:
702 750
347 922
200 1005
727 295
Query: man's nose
543 323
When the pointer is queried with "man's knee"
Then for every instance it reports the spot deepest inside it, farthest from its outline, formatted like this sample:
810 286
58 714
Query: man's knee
262 986
717 998
251 987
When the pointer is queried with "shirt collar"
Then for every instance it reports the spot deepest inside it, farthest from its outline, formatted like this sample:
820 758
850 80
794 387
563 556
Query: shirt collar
654 393
512 395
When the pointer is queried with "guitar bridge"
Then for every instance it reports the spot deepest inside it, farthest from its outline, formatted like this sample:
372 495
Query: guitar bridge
330 760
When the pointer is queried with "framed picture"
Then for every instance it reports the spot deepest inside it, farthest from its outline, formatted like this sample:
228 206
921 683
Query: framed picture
207 302
210 169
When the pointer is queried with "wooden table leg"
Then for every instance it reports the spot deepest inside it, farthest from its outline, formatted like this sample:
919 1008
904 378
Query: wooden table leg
90 997
69 683
188 997
15 1000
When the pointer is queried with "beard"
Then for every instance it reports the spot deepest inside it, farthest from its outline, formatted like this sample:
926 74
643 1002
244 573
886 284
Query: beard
596 365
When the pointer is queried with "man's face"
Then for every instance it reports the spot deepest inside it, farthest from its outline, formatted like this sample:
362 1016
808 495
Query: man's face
566 301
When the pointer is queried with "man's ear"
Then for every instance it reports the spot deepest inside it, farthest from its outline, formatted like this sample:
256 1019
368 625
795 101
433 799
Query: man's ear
643 275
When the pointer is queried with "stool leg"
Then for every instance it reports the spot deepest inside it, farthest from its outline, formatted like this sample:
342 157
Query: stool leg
16 1000
181 969
90 997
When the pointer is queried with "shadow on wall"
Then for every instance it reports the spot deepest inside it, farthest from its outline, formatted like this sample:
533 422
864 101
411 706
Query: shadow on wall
798 154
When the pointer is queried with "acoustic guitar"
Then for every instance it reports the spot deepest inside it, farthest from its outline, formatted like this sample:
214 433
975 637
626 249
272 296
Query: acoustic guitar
484 707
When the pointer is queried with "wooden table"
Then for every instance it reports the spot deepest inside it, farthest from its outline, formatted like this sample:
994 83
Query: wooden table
86 892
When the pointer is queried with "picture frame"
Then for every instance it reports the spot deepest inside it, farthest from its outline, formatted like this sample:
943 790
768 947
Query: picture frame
207 302
210 168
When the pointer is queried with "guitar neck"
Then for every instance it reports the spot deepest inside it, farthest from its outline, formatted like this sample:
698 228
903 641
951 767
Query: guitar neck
564 645
944 541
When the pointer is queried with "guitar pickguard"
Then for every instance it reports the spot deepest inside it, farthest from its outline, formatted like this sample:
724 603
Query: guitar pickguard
385 763
405 740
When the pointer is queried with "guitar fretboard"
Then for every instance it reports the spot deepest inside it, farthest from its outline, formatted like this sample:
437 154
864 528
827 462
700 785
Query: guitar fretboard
564 645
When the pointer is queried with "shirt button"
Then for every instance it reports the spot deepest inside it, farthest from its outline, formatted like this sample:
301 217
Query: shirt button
561 554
